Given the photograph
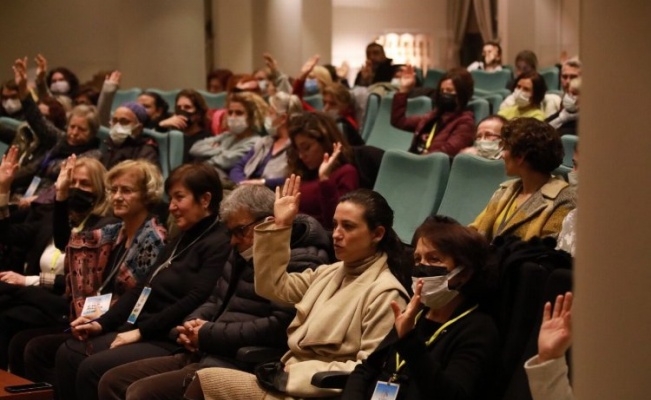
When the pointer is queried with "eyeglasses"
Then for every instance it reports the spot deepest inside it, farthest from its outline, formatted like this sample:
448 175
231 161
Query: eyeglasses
126 191
240 231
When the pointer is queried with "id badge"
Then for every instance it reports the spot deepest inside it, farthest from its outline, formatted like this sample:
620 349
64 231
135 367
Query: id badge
385 391
95 306
139 304
31 189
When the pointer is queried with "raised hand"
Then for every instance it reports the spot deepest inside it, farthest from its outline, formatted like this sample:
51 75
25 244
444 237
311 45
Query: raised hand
62 185
12 278
8 169
20 76
406 320
271 63
555 335
408 79
41 67
342 70
309 65
287 201
113 78
327 165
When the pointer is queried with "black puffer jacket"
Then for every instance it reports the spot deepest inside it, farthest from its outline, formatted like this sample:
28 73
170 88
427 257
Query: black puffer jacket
242 318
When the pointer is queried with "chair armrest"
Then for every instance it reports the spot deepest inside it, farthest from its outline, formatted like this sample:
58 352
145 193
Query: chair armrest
258 354
330 379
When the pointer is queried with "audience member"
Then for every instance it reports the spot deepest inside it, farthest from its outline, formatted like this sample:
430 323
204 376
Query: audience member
443 345
157 110
566 120
377 67
32 297
535 203
528 95
53 111
526 62
448 128
488 140
216 80
547 371
191 118
11 105
79 139
266 162
270 79
323 159
234 316
570 70
246 112
338 104
567 236
491 58
126 141
181 279
86 95
59 82
311 81
343 309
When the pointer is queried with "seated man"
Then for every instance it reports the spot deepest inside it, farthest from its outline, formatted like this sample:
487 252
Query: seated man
491 58
234 316
377 68
488 140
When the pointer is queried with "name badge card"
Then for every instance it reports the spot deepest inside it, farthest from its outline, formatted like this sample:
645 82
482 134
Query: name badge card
146 291
96 305
385 391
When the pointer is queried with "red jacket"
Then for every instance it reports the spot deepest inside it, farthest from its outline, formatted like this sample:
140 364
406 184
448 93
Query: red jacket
454 131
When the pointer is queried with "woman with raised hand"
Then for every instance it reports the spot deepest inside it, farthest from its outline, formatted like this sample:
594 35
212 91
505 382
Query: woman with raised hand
266 162
443 345
33 301
322 158
449 127
79 138
343 309
182 277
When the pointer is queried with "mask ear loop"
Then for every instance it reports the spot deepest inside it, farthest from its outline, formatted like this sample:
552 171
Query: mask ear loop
452 274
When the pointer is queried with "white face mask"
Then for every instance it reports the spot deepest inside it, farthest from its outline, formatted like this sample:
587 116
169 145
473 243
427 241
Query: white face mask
269 126
12 106
569 103
119 133
488 148
436 293
247 254
60 87
521 99
263 84
395 82
237 125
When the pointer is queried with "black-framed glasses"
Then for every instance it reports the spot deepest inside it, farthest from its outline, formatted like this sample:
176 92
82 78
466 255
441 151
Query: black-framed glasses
240 231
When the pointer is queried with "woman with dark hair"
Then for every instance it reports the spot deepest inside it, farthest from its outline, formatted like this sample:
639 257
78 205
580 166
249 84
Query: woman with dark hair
191 118
217 80
443 345
535 203
338 104
180 280
53 111
320 155
528 96
59 82
449 127
157 110
343 309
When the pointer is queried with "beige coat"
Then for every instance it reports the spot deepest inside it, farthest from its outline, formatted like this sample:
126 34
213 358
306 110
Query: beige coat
541 215
342 312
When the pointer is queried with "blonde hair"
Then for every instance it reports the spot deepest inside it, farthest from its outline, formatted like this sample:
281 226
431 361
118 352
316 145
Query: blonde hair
322 75
150 180
286 103
340 94
256 108
97 173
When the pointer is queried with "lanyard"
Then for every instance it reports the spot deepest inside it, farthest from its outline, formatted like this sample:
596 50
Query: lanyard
430 138
400 364
115 269
80 227
175 255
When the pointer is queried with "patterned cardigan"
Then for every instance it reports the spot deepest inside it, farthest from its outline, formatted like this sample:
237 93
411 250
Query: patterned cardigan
88 254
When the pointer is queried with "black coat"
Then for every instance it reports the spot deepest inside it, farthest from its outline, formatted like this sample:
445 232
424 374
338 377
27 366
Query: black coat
239 317
457 365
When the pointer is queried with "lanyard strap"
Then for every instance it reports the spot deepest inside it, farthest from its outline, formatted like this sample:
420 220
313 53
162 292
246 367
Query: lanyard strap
55 258
430 138
400 364
174 254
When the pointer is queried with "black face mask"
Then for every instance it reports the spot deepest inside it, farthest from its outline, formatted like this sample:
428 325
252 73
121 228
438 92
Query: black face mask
447 102
428 271
81 201
188 115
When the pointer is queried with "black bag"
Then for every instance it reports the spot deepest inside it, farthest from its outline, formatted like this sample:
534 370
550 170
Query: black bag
272 376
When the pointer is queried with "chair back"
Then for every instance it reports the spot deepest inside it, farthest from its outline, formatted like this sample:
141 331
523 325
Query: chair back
413 185
569 144
315 101
551 77
124 96
433 77
168 95
491 81
472 182
372 109
214 100
480 108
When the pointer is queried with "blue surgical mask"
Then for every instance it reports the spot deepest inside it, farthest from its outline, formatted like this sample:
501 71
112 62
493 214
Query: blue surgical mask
311 87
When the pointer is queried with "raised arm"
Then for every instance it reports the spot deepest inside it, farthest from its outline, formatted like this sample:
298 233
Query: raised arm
106 96
399 117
